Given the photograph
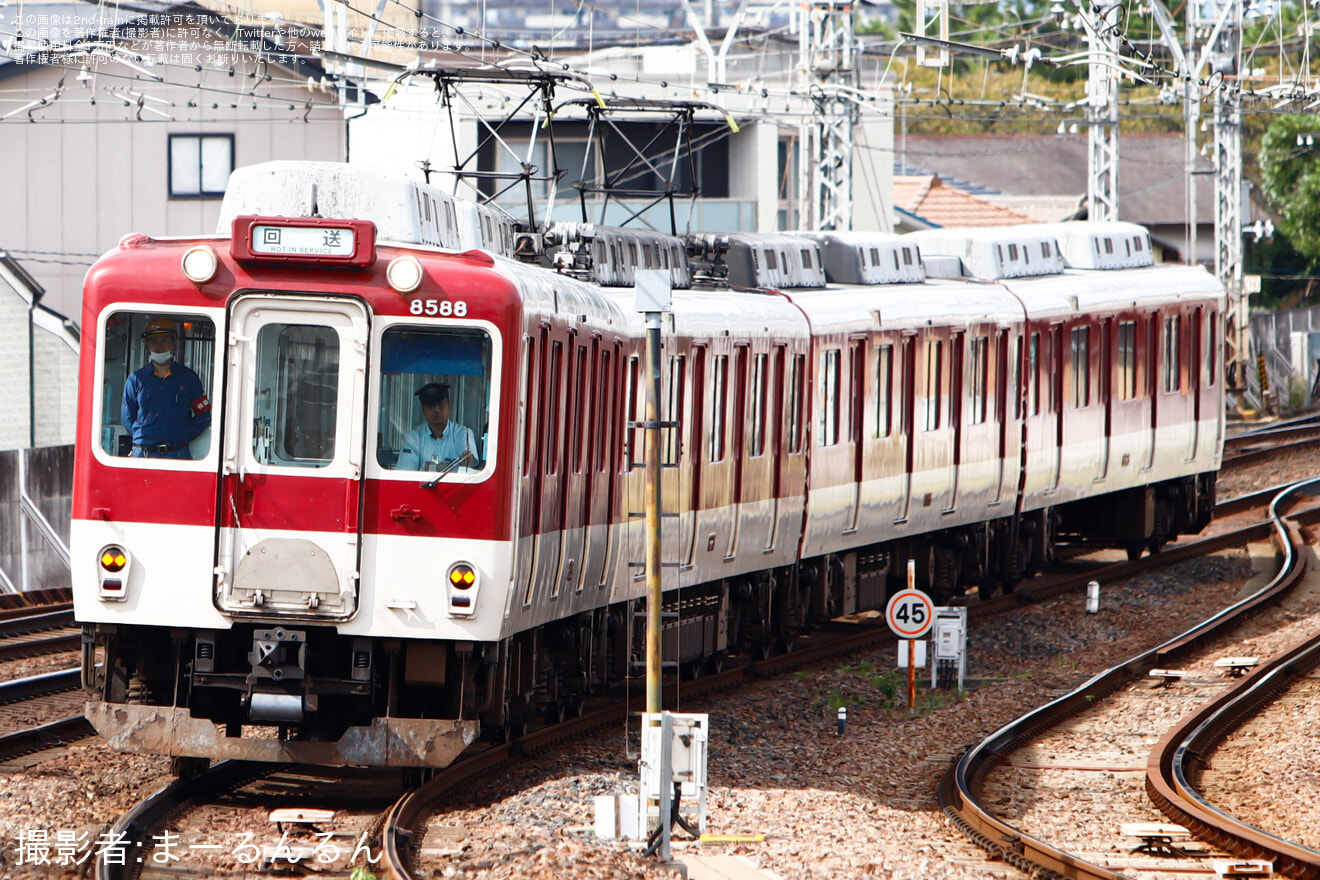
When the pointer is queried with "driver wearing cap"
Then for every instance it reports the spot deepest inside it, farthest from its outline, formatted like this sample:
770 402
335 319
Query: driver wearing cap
164 405
438 442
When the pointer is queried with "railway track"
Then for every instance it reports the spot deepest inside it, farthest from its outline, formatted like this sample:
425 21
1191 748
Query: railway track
1249 447
402 828
1171 765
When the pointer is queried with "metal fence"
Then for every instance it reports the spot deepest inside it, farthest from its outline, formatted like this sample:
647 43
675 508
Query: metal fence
35 509
1284 339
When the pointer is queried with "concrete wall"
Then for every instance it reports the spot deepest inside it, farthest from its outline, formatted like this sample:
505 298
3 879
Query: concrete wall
14 398
48 482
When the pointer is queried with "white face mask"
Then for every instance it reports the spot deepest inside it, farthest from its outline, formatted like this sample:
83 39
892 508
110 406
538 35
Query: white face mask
162 357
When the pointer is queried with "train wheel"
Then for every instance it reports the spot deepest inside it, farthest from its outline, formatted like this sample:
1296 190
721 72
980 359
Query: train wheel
715 663
1134 551
784 644
556 711
985 591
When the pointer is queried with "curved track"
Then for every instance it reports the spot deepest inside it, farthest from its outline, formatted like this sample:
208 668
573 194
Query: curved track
959 789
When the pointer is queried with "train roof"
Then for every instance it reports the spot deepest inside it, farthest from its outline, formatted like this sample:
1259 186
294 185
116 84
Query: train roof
404 210
1102 291
855 308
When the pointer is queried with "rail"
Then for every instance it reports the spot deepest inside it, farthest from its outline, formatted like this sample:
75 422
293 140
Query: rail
958 788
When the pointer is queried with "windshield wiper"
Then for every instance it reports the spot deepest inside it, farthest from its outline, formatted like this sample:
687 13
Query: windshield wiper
449 468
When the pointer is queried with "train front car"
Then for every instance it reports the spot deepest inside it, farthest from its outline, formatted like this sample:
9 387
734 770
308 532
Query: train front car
293 509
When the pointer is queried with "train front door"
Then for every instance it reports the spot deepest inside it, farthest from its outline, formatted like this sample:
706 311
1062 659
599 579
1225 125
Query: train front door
289 521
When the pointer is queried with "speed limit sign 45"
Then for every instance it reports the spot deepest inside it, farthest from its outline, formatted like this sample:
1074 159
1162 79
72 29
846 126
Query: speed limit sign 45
910 614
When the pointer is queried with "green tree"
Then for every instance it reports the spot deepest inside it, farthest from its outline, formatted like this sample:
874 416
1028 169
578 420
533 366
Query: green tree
1290 178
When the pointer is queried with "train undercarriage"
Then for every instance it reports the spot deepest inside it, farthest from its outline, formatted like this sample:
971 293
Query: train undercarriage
304 693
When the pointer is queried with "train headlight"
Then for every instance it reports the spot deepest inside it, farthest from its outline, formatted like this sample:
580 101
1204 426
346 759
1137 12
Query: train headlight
463 583
200 264
404 273
112 567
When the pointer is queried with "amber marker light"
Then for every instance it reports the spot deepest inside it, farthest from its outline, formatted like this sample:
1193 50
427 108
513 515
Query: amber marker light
462 576
113 559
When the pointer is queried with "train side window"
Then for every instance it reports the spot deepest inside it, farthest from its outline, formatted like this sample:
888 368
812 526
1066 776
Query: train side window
1033 375
676 403
979 366
884 391
1172 353
771 260
1212 353
829 388
760 401
806 258
1080 355
719 406
604 432
529 383
455 363
934 383
796 392
551 424
632 416
167 407
577 413
1127 360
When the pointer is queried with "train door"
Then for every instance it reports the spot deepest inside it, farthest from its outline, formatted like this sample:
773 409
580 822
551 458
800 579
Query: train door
696 448
741 364
551 518
1194 371
289 522
606 454
572 478
776 426
907 381
856 419
955 416
1106 360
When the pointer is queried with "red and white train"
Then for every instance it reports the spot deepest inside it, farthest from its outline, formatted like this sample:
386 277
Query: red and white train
845 402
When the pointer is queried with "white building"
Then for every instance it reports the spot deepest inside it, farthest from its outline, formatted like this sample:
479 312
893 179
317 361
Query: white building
38 363
116 120
748 131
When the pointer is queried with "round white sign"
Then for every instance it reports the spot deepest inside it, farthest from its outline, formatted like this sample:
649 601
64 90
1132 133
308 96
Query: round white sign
910 614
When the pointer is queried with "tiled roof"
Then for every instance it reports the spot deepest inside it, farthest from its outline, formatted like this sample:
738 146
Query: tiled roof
1151 173
933 200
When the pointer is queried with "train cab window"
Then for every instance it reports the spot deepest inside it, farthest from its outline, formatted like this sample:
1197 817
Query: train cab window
1127 360
1172 354
884 390
1080 356
435 387
829 410
980 363
150 409
934 383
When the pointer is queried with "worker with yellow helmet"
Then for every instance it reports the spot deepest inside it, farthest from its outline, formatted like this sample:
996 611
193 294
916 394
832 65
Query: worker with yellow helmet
165 405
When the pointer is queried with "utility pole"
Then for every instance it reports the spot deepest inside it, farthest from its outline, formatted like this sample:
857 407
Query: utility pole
825 57
1102 113
1228 198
